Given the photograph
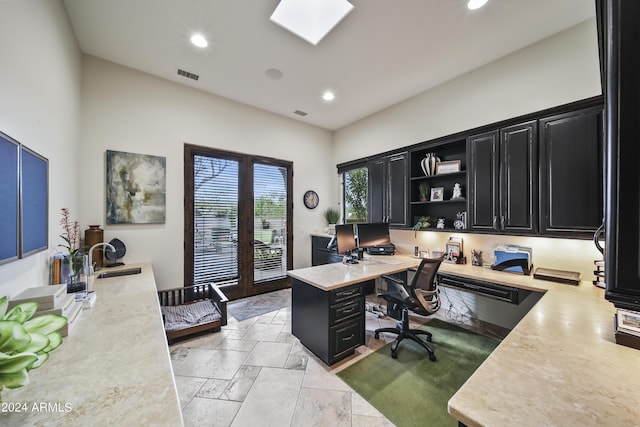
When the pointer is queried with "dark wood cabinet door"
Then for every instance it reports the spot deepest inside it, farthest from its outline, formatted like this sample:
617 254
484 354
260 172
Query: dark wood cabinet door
518 177
571 173
482 163
397 190
388 190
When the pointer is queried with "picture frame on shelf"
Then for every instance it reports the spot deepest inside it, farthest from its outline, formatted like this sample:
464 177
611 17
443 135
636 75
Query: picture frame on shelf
451 166
437 194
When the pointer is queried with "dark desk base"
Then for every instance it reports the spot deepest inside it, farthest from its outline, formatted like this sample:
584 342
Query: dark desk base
329 323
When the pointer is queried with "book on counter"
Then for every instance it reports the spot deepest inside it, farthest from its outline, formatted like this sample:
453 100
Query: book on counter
72 318
47 297
63 310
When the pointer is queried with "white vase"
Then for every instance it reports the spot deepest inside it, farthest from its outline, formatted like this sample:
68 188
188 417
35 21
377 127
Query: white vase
428 164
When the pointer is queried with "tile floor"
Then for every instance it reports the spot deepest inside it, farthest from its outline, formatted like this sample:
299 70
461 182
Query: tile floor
256 373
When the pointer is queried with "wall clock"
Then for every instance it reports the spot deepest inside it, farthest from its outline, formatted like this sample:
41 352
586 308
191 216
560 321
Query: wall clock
311 199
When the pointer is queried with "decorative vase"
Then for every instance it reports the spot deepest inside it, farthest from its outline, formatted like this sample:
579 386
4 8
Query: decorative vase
77 278
94 234
428 164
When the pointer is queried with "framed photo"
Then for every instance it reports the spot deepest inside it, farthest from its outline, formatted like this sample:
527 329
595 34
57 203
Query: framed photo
447 167
436 194
628 321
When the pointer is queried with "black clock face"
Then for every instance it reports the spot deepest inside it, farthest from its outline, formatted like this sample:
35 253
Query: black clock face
311 199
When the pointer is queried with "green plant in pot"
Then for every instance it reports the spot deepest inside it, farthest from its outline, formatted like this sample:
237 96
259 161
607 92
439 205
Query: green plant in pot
423 222
423 190
331 215
25 341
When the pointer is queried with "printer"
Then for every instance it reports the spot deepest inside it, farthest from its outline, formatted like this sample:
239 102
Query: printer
513 258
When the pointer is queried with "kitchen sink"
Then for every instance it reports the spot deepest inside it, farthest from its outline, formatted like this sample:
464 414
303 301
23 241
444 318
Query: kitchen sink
125 272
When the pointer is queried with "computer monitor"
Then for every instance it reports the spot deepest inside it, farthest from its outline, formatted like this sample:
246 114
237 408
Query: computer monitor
373 234
346 238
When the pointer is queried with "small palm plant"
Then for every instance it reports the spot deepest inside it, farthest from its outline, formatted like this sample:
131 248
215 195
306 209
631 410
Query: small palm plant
25 342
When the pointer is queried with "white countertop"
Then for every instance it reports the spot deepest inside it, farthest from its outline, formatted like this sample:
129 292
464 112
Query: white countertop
332 276
560 365
113 368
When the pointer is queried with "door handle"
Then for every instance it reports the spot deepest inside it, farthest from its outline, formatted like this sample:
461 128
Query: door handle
501 223
495 222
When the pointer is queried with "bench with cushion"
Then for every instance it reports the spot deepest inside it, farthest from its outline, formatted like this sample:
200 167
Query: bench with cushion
192 309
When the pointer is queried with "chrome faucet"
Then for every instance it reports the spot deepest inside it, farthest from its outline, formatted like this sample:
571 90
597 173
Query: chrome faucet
91 253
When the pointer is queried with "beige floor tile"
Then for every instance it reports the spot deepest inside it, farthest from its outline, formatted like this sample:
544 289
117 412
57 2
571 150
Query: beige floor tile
366 421
272 354
241 383
187 388
319 375
210 412
318 407
240 345
272 399
213 388
209 363
263 332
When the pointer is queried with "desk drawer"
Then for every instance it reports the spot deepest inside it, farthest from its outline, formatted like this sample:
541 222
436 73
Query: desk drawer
346 310
346 337
343 294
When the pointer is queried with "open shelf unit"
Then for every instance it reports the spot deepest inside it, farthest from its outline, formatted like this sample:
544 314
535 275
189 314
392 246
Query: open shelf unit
449 150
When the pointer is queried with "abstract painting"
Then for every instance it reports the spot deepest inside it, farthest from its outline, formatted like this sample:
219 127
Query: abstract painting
136 188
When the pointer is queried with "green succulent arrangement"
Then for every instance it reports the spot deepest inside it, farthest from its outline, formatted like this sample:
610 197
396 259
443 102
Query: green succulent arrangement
25 342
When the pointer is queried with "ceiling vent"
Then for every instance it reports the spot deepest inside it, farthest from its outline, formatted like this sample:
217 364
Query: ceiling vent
300 113
188 74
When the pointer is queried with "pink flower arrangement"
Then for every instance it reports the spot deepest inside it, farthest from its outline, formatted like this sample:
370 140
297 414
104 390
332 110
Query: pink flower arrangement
71 236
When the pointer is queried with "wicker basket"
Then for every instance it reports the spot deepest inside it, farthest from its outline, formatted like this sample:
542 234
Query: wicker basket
188 295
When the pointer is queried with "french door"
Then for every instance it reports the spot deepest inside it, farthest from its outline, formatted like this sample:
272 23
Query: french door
238 221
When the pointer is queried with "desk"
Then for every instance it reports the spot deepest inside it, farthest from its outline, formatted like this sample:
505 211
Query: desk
559 366
327 303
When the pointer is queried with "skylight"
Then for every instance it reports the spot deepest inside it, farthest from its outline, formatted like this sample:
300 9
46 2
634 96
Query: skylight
310 20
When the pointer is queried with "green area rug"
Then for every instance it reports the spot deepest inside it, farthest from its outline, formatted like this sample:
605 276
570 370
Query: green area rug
411 390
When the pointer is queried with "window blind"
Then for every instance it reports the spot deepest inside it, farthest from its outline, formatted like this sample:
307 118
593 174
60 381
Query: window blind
215 220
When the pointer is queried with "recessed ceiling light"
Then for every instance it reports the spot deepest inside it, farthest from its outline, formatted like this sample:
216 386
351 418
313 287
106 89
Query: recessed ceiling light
310 20
199 40
476 4
328 96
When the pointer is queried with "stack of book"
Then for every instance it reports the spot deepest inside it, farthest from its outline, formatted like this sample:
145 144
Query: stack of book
52 300
628 328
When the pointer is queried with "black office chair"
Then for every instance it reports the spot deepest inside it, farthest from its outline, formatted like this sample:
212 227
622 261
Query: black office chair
420 296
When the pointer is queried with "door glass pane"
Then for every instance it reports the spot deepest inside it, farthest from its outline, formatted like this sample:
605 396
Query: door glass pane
355 195
269 222
215 220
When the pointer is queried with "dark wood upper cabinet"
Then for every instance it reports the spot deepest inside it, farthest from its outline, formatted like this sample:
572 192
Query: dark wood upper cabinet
388 190
571 168
502 179
484 203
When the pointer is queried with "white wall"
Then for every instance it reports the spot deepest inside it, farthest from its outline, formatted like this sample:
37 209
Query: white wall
40 107
126 110
557 70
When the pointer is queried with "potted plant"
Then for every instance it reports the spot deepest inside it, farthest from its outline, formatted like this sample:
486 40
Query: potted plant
423 222
25 341
331 215
423 190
